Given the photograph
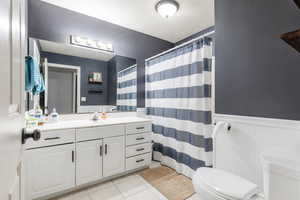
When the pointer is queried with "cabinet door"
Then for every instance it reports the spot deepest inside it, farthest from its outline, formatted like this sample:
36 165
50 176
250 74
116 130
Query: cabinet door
114 156
88 161
50 170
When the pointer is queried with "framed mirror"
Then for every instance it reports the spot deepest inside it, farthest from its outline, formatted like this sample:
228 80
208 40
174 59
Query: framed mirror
79 79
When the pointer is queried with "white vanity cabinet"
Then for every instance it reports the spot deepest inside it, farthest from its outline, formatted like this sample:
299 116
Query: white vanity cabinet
114 156
67 158
50 170
89 155
100 152
99 158
138 145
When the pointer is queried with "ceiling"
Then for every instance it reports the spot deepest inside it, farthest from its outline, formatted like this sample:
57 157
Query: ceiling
140 15
71 50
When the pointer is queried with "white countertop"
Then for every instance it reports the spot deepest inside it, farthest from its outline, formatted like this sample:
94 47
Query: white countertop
90 123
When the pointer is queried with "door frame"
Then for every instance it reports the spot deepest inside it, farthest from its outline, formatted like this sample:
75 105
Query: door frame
77 79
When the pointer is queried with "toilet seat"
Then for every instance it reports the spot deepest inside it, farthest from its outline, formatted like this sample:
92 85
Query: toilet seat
224 184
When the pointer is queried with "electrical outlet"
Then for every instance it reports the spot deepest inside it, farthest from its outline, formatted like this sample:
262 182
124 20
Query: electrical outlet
83 99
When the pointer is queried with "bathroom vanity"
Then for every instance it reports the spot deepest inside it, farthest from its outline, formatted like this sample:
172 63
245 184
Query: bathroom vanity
73 154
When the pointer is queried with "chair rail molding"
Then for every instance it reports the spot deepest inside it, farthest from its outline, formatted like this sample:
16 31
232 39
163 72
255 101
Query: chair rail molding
258 121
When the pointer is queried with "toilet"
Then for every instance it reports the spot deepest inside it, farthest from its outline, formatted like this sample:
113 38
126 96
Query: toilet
280 178
281 182
215 184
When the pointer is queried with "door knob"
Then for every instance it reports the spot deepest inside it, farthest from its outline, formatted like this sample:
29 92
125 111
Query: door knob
35 135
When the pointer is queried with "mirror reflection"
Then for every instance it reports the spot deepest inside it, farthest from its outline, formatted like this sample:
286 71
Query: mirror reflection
81 79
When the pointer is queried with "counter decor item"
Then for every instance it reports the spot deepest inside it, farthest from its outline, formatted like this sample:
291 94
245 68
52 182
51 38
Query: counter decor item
54 116
103 115
95 116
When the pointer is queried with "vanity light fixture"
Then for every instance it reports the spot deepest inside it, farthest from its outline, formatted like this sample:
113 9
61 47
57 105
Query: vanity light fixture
167 8
90 43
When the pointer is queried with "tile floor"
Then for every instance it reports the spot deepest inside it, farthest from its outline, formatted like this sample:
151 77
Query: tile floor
131 187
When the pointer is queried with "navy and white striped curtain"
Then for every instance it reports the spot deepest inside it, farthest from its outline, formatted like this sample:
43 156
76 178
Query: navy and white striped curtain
178 100
127 90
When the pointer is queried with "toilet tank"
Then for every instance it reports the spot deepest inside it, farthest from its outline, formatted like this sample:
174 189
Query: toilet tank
239 150
281 177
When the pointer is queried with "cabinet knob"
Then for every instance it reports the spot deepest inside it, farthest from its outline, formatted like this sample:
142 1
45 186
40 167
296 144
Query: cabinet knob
35 135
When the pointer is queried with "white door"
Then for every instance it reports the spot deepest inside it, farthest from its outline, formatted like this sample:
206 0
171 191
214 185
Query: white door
114 156
12 52
88 161
50 170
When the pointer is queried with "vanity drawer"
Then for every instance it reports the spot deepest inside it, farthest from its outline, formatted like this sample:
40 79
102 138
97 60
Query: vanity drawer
99 132
50 138
138 161
138 128
138 149
138 138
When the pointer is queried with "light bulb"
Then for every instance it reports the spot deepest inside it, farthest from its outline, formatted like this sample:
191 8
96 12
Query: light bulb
100 45
79 39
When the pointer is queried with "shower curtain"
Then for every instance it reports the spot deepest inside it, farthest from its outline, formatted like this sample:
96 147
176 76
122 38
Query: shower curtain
126 89
178 100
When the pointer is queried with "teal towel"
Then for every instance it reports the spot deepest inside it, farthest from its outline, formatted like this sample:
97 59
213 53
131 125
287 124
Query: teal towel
34 81
40 87
28 74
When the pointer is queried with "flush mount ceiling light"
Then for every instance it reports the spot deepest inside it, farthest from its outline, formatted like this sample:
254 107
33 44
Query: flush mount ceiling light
167 8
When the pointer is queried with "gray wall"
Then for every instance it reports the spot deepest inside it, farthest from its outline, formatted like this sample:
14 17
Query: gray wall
257 74
52 23
200 33
86 66
115 65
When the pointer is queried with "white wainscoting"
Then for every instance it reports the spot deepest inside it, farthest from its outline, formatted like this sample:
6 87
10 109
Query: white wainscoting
239 150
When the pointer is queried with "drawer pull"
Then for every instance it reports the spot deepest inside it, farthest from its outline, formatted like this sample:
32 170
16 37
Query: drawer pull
139 128
141 160
141 138
141 149
52 138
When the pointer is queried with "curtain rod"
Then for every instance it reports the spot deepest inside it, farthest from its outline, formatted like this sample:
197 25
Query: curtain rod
128 68
178 46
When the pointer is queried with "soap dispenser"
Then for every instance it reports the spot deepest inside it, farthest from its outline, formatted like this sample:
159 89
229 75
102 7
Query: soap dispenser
54 116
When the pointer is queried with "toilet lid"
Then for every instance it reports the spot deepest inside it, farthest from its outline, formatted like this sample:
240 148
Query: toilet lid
225 184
